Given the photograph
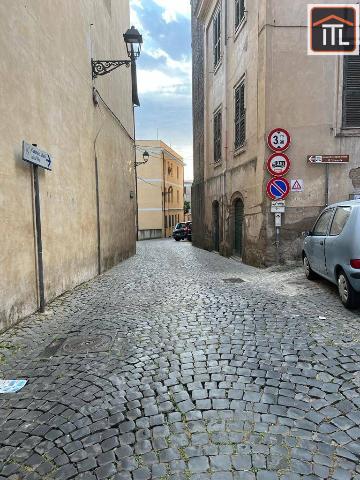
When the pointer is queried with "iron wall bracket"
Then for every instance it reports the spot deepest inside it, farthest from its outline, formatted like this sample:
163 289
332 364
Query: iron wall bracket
103 67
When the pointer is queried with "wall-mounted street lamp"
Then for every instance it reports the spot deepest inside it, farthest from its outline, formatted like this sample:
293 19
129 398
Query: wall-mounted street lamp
133 40
146 157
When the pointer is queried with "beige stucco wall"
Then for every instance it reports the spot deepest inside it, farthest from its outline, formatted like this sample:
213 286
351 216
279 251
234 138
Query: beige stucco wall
46 98
163 171
284 88
310 107
240 174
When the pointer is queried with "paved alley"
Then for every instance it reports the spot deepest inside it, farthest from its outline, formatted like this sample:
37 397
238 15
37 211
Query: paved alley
181 364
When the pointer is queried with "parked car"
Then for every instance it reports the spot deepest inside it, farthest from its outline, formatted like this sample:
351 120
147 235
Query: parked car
332 250
179 232
188 229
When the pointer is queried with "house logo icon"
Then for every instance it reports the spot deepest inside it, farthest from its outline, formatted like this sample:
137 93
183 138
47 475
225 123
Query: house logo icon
333 29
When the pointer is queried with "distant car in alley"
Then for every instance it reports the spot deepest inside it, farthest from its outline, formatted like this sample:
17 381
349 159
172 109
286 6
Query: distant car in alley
332 250
179 232
188 229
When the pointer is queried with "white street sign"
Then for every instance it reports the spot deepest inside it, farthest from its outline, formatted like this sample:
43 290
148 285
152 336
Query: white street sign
297 185
36 156
278 206
278 219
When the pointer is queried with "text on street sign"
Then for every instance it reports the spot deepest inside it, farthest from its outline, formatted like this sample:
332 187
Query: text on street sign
278 206
36 156
279 140
328 158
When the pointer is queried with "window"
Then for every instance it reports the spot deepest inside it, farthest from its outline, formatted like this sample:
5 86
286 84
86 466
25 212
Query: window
177 172
351 92
340 218
322 225
239 12
240 115
177 196
166 221
217 37
217 136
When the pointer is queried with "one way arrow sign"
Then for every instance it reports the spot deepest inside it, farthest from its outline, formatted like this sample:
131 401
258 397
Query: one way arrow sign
36 156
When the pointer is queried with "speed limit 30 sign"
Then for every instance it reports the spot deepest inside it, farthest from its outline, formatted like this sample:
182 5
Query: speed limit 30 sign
279 140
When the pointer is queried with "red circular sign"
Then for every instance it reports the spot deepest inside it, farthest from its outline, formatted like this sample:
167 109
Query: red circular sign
278 188
278 164
279 140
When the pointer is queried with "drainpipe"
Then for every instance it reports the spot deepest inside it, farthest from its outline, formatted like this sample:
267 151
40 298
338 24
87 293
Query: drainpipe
164 193
224 205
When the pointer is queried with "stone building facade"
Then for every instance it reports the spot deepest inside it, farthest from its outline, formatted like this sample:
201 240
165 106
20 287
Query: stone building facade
160 187
251 74
87 201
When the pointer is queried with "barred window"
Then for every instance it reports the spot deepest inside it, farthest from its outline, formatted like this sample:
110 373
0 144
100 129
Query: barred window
217 36
240 115
351 92
217 136
239 12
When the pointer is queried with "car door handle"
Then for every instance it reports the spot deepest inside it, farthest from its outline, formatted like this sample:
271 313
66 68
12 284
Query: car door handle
321 243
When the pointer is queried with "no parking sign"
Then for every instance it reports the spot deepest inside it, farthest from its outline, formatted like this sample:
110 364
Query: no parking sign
278 188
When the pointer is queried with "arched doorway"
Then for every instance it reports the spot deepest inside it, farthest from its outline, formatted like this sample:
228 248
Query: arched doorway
238 227
216 226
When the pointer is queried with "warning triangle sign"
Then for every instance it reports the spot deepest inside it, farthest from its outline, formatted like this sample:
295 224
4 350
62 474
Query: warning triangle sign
297 186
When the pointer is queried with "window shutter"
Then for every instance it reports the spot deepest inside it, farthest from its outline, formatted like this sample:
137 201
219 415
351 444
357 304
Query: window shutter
351 92
240 116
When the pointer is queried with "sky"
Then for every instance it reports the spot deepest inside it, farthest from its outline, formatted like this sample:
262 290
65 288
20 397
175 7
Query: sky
164 74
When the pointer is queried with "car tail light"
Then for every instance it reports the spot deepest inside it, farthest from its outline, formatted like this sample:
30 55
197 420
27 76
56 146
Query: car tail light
355 263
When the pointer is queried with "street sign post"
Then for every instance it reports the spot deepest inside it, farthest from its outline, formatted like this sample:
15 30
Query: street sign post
34 155
278 164
279 140
278 220
278 188
328 159
38 158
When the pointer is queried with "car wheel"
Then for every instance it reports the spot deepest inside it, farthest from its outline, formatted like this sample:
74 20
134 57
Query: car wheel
309 273
348 296
177 239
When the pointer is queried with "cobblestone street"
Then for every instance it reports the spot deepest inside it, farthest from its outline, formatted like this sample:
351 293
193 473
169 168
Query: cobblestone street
162 368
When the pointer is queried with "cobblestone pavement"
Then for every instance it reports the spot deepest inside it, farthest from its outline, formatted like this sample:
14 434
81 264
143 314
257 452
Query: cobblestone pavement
161 369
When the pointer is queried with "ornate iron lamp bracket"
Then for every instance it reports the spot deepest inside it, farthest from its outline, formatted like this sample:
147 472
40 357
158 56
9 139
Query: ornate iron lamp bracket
102 67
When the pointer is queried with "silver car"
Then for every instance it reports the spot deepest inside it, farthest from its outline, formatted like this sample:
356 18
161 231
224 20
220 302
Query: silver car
332 250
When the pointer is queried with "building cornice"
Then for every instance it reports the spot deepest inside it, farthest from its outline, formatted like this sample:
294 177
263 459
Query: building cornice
203 9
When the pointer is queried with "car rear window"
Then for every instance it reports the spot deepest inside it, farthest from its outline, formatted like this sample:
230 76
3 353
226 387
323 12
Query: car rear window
340 219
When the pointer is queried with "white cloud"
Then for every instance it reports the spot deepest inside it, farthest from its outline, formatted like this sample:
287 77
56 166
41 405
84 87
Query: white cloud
183 65
186 151
156 81
172 9
137 4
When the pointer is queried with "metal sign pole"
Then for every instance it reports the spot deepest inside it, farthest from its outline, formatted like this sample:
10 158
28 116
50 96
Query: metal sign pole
277 245
326 184
39 238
